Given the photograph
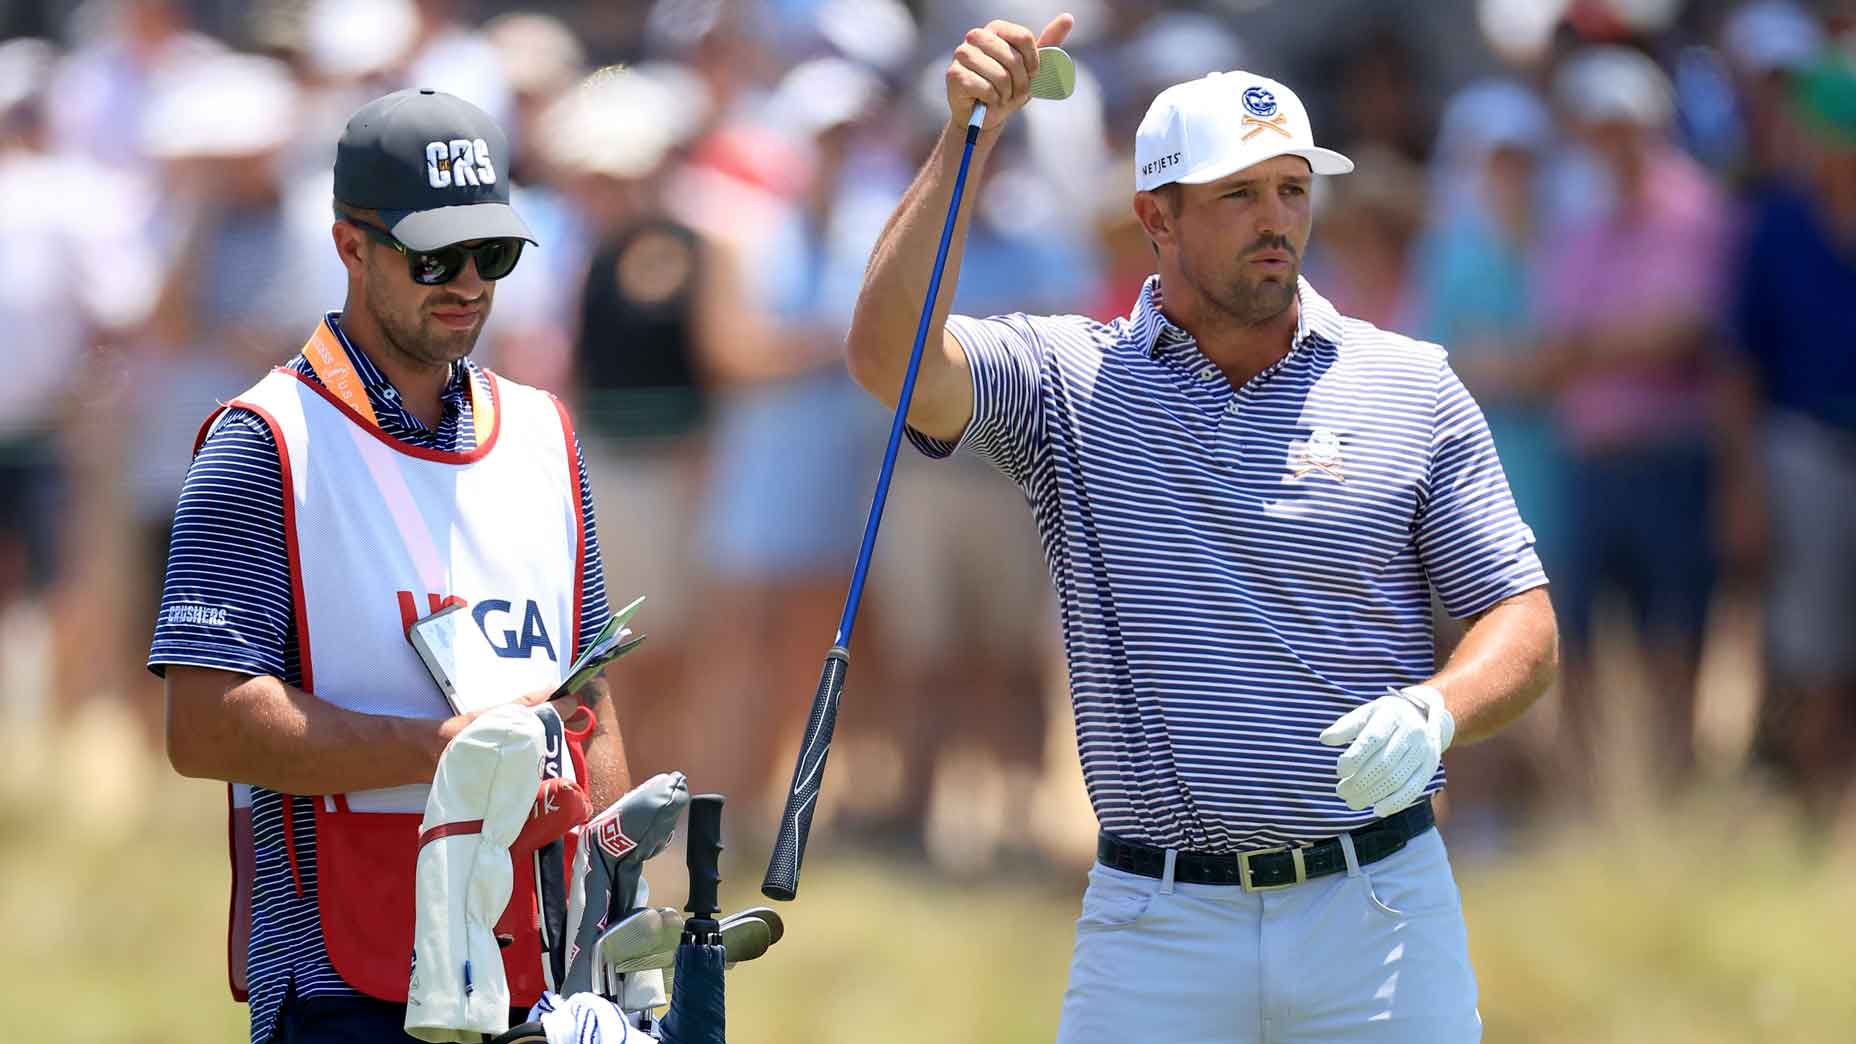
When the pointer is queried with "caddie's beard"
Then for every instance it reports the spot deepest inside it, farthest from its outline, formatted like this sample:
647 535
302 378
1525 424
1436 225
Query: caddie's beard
414 333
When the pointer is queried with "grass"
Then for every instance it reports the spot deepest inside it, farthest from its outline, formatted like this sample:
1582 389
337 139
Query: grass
1698 931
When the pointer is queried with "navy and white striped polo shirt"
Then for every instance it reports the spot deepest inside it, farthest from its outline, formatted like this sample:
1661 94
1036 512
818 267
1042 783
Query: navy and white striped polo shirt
1238 567
226 604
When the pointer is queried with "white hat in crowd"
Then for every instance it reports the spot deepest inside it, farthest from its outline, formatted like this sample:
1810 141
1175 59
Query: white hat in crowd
618 122
823 93
227 106
1493 114
1614 83
1206 129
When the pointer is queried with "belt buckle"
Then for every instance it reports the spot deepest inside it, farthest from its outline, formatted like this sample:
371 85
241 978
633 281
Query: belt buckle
1244 871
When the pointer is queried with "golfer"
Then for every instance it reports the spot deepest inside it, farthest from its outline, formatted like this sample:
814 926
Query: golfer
1247 501
374 477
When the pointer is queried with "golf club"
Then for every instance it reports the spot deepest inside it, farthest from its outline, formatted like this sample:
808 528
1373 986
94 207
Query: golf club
640 941
1054 80
776 928
745 936
698 1012
614 847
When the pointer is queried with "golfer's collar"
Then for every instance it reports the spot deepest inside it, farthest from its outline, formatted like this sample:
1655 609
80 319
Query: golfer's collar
1155 330
1316 320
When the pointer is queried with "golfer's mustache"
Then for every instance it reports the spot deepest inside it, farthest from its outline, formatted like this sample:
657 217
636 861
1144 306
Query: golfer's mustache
1272 243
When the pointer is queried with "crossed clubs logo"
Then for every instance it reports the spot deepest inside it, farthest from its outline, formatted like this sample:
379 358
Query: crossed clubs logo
1278 123
1319 455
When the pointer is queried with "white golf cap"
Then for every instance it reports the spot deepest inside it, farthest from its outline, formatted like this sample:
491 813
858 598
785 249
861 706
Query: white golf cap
1613 83
1205 129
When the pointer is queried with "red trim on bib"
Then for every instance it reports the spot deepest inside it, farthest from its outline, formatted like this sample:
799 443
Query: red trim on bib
206 428
238 912
294 553
573 490
440 456
295 556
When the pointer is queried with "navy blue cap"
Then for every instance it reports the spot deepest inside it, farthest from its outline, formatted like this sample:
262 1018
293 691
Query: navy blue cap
433 164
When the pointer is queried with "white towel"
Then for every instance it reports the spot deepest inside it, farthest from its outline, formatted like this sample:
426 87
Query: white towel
586 1018
489 772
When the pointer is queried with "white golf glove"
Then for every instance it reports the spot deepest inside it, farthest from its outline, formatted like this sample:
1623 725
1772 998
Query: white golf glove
1396 742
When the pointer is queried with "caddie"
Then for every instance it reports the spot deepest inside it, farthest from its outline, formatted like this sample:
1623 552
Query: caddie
1247 500
375 476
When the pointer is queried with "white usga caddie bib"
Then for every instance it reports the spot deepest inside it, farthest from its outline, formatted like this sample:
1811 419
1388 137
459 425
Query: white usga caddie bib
379 534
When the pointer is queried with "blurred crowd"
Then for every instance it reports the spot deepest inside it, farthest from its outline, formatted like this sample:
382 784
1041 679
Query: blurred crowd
1632 222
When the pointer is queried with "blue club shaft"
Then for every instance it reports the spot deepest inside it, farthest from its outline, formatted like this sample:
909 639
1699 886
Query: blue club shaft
908 389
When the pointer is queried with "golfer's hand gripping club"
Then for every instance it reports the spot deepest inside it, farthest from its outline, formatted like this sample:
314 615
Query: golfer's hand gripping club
1054 81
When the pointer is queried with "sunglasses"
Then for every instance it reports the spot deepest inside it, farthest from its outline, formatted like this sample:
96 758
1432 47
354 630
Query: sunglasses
496 258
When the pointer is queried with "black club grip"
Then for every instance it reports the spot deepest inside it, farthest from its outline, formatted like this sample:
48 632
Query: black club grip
702 853
789 849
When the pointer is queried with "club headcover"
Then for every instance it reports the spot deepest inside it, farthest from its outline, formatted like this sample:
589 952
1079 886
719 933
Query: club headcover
608 862
480 798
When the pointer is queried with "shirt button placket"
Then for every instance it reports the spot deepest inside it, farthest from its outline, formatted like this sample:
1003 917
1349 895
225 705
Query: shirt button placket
1230 441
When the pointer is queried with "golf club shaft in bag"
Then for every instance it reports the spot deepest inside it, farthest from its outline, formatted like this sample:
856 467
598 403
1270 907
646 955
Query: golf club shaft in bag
789 848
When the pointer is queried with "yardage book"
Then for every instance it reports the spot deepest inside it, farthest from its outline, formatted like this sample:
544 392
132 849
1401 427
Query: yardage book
454 651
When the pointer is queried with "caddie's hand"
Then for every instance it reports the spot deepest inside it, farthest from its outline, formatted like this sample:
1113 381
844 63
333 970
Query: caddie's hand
1393 747
566 706
994 66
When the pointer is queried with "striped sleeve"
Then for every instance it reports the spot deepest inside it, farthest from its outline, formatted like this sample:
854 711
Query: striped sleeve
1475 548
225 602
595 610
1006 358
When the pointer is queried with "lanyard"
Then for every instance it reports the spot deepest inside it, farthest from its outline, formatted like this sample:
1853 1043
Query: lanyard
330 363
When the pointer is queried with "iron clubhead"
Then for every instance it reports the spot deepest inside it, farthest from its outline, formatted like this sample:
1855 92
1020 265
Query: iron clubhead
775 927
645 939
749 934
1055 79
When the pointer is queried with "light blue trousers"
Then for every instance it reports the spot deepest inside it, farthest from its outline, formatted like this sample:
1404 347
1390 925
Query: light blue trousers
1378 954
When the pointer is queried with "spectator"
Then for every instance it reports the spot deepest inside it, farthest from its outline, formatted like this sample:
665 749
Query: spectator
1369 227
79 275
1629 304
1765 42
962 611
1474 287
636 377
238 263
794 443
126 50
1796 325
530 335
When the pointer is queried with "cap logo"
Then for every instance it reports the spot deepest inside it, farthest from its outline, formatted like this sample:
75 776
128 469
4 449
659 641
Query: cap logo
1258 101
1159 163
459 163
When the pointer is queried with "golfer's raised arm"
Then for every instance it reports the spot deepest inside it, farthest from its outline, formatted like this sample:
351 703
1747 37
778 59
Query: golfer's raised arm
993 66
